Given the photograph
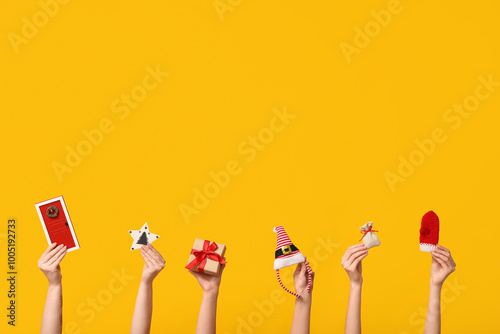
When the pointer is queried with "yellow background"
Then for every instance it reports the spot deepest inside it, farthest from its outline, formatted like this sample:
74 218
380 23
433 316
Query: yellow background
322 177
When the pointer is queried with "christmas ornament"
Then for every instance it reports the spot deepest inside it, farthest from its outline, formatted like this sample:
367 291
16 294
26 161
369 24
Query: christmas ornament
429 232
142 237
287 254
369 238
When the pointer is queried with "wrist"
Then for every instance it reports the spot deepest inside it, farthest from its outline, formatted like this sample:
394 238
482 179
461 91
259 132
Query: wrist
55 284
437 286
213 291
147 282
305 298
356 284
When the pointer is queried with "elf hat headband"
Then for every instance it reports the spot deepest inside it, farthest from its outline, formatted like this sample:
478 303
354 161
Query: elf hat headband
287 254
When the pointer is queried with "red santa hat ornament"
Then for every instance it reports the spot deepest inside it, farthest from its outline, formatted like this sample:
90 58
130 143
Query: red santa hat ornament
429 232
287 254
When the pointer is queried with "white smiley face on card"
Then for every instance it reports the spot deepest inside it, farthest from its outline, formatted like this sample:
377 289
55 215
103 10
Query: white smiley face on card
142 237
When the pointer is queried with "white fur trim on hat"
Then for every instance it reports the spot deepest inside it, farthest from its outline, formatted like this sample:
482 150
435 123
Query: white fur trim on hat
427 248
288 260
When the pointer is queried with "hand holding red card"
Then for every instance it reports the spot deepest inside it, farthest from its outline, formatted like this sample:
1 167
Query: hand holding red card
49 263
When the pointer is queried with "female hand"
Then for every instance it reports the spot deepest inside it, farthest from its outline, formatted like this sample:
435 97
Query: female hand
49 263
209 282
301 278
154 263
442 265
351 261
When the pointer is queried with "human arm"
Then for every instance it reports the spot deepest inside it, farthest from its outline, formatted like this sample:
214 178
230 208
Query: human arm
442 266
153 264
351 261
208 309
49 264
302 313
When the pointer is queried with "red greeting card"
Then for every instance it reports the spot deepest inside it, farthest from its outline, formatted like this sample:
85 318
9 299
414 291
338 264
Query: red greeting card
56 223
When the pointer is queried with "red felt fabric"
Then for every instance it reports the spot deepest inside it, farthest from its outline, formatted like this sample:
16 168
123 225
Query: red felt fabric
429 229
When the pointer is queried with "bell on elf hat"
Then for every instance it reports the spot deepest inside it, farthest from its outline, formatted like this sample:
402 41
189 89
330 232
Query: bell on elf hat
287 254
429 232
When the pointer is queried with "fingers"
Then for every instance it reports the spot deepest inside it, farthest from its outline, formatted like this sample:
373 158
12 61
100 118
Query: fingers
154 251
51 247
298 269
51 255
55 251
445 255
352 250
360 258
439 260
50 260
50 251
354 255
148 256
442 248
444 267
57 258
152 257
156 255
61 256
302 267
445 252
444 261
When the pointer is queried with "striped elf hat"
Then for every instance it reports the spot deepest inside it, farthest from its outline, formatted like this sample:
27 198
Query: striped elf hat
287 254
429 232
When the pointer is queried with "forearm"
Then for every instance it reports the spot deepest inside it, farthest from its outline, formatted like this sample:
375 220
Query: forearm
353 316
141 321
208 313
302 315
433 318
52 312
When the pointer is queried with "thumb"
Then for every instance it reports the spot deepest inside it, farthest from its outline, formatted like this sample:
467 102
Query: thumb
302 268
298 269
